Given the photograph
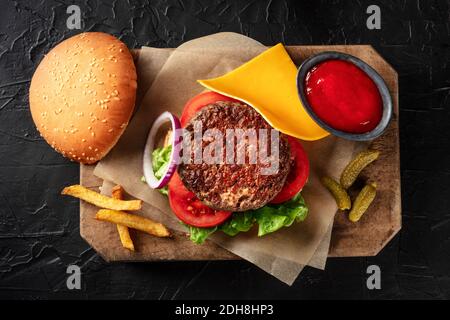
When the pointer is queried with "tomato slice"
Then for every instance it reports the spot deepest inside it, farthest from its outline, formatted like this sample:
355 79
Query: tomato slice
189 209
298 175
198 102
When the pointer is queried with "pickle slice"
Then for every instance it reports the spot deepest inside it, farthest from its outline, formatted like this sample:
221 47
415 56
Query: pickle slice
362 202
354 168
340 195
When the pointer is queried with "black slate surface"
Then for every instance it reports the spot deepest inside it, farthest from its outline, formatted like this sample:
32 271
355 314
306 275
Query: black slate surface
39 230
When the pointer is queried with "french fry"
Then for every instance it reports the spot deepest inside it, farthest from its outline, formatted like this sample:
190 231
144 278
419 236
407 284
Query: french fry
124 233
133 221
100 200
117 192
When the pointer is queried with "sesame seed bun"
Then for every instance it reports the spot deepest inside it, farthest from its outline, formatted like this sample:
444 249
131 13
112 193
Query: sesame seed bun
82 95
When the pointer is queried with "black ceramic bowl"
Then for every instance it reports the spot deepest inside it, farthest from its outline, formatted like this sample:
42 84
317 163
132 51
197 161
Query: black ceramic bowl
309 63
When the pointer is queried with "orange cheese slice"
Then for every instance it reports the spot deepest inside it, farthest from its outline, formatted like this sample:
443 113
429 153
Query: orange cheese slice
268 84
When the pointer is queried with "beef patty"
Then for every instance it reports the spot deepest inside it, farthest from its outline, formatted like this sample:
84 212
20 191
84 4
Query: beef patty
234 186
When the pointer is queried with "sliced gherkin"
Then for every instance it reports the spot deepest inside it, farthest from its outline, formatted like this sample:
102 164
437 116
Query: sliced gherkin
340 195
362 202
354 168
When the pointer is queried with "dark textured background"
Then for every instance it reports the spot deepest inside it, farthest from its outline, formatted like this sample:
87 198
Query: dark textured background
39 230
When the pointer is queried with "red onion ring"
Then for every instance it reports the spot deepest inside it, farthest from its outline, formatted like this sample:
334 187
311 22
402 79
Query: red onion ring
149 175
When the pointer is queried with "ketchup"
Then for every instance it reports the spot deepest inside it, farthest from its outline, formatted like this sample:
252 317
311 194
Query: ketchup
343 96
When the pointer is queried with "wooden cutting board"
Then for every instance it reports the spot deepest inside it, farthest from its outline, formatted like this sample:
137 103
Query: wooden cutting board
365 238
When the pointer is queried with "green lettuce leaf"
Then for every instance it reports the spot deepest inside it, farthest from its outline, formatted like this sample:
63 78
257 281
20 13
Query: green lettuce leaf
161 157
239 222
160 161
199 235
271 218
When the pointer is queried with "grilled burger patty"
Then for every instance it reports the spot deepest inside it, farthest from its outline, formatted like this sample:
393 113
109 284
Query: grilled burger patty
233 187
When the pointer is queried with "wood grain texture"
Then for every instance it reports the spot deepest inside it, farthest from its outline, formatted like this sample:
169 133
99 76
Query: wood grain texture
365 238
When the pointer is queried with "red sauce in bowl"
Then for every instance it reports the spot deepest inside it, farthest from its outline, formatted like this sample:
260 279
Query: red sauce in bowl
343 96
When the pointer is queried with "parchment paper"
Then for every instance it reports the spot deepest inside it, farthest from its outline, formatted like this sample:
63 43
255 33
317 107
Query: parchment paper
282 254
285 270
